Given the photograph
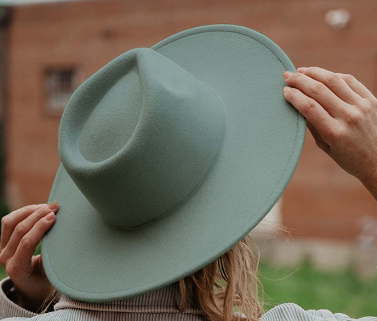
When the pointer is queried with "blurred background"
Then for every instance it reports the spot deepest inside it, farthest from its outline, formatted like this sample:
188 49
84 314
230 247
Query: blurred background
326 256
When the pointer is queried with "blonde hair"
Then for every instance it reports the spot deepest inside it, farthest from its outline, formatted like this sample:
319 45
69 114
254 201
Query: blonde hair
227 289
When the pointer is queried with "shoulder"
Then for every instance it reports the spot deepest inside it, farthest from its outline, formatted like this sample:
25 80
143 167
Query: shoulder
293 312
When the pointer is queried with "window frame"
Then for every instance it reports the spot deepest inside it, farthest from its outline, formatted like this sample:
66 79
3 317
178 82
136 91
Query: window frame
51 68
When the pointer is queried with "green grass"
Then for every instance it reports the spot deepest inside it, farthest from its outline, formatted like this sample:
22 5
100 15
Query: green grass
338 292
2 273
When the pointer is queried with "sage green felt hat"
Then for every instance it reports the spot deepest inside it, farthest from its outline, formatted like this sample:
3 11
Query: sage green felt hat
170 155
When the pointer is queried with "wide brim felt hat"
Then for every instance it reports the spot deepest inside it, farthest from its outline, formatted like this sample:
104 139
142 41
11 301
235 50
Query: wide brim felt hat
170 155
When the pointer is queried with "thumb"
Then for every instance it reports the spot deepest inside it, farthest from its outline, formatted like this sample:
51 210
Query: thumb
37 265
318 139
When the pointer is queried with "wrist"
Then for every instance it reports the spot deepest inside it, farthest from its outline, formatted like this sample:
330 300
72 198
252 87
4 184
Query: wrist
24 302
370 182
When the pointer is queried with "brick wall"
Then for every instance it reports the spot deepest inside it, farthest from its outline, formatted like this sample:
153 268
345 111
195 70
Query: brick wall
321 201
4 27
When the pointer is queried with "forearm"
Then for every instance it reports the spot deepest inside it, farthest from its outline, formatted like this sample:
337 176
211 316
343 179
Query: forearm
371 186
8 308
25 303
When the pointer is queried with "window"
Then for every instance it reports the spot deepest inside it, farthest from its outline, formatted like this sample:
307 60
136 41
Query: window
60 84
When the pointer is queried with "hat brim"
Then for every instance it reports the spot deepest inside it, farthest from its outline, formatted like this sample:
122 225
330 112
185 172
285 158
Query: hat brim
88 260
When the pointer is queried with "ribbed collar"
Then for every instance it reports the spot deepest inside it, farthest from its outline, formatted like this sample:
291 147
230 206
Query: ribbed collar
165 299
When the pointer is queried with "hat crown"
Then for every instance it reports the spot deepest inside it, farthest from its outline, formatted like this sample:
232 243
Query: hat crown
139 136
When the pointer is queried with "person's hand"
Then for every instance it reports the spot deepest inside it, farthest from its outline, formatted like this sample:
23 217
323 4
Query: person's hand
341 114
21 232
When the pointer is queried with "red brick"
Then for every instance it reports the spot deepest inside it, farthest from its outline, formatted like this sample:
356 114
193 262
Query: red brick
321 201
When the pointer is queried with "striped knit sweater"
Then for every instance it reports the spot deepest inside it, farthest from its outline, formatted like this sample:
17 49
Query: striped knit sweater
159 305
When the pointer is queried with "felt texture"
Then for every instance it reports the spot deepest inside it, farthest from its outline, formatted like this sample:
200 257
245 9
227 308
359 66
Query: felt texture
170 156
134 177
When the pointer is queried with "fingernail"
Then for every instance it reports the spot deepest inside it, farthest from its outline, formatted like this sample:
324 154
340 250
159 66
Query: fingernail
301 69
287 74
53 205
50 216
286 89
